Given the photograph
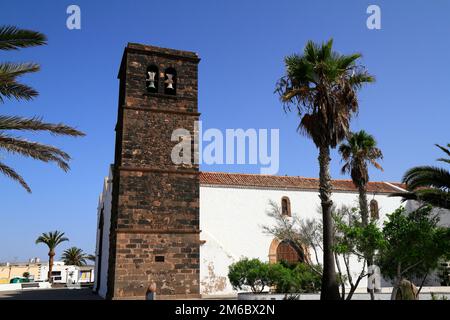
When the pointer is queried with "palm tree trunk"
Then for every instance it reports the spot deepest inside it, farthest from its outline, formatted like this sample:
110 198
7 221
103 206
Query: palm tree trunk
363 204
330 289
51 255
364 209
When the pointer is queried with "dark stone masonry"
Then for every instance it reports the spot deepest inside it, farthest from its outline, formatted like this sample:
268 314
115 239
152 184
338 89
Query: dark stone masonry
155 207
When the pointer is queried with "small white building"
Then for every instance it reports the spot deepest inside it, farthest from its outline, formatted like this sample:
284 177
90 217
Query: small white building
67 274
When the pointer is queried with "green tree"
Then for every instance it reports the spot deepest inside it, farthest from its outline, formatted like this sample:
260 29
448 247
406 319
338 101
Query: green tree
74 257
12 38
354 238
321 84
429 184
413 246
357 152
52 240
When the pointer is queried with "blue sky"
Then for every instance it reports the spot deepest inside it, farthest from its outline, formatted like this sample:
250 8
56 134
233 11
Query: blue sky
242 45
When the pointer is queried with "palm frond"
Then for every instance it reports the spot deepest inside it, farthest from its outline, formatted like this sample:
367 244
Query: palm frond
435 197
91 257
345 150
357 79
444 149
346 61
35 150
10 173
325 51
13 38
444 160
404 195
11 70
376 165
42 239
18 91
36 124
427 176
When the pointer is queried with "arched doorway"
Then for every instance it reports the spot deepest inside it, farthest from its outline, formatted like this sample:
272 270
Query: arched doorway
286 251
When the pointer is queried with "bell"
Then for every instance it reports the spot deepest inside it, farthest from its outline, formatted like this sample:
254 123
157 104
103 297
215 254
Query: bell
169 81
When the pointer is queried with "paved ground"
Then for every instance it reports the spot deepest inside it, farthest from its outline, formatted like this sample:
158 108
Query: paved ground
50 294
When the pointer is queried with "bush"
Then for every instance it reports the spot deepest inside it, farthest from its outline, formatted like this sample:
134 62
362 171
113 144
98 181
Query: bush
300 279
284 278
247 273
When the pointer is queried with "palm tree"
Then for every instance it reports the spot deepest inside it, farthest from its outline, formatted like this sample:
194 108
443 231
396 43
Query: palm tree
358 151
12 38
428 184
74 256
52 240
321 84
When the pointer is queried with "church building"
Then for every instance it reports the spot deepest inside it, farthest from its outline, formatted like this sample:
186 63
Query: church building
173 226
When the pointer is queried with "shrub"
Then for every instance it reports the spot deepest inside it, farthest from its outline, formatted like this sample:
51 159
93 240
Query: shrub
284 278
249 273
300 279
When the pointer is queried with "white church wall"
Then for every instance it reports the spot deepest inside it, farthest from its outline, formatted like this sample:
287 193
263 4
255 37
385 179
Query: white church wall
105 199
231 220
214 263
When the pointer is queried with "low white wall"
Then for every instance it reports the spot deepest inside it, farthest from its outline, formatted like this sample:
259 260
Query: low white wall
426 294
18 286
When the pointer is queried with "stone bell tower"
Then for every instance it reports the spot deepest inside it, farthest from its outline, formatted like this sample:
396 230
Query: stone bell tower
154 236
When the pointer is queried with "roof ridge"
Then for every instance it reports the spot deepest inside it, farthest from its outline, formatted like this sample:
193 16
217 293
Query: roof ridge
286 176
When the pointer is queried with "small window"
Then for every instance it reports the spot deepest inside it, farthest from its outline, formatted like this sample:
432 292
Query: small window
159 258
56 273
374 211
285 206
152 79
170 81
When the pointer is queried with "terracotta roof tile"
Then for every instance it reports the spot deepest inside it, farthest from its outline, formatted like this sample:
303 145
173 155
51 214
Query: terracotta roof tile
288 182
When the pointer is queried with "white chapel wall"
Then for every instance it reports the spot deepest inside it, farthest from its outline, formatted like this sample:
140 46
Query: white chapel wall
105 203
231 220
